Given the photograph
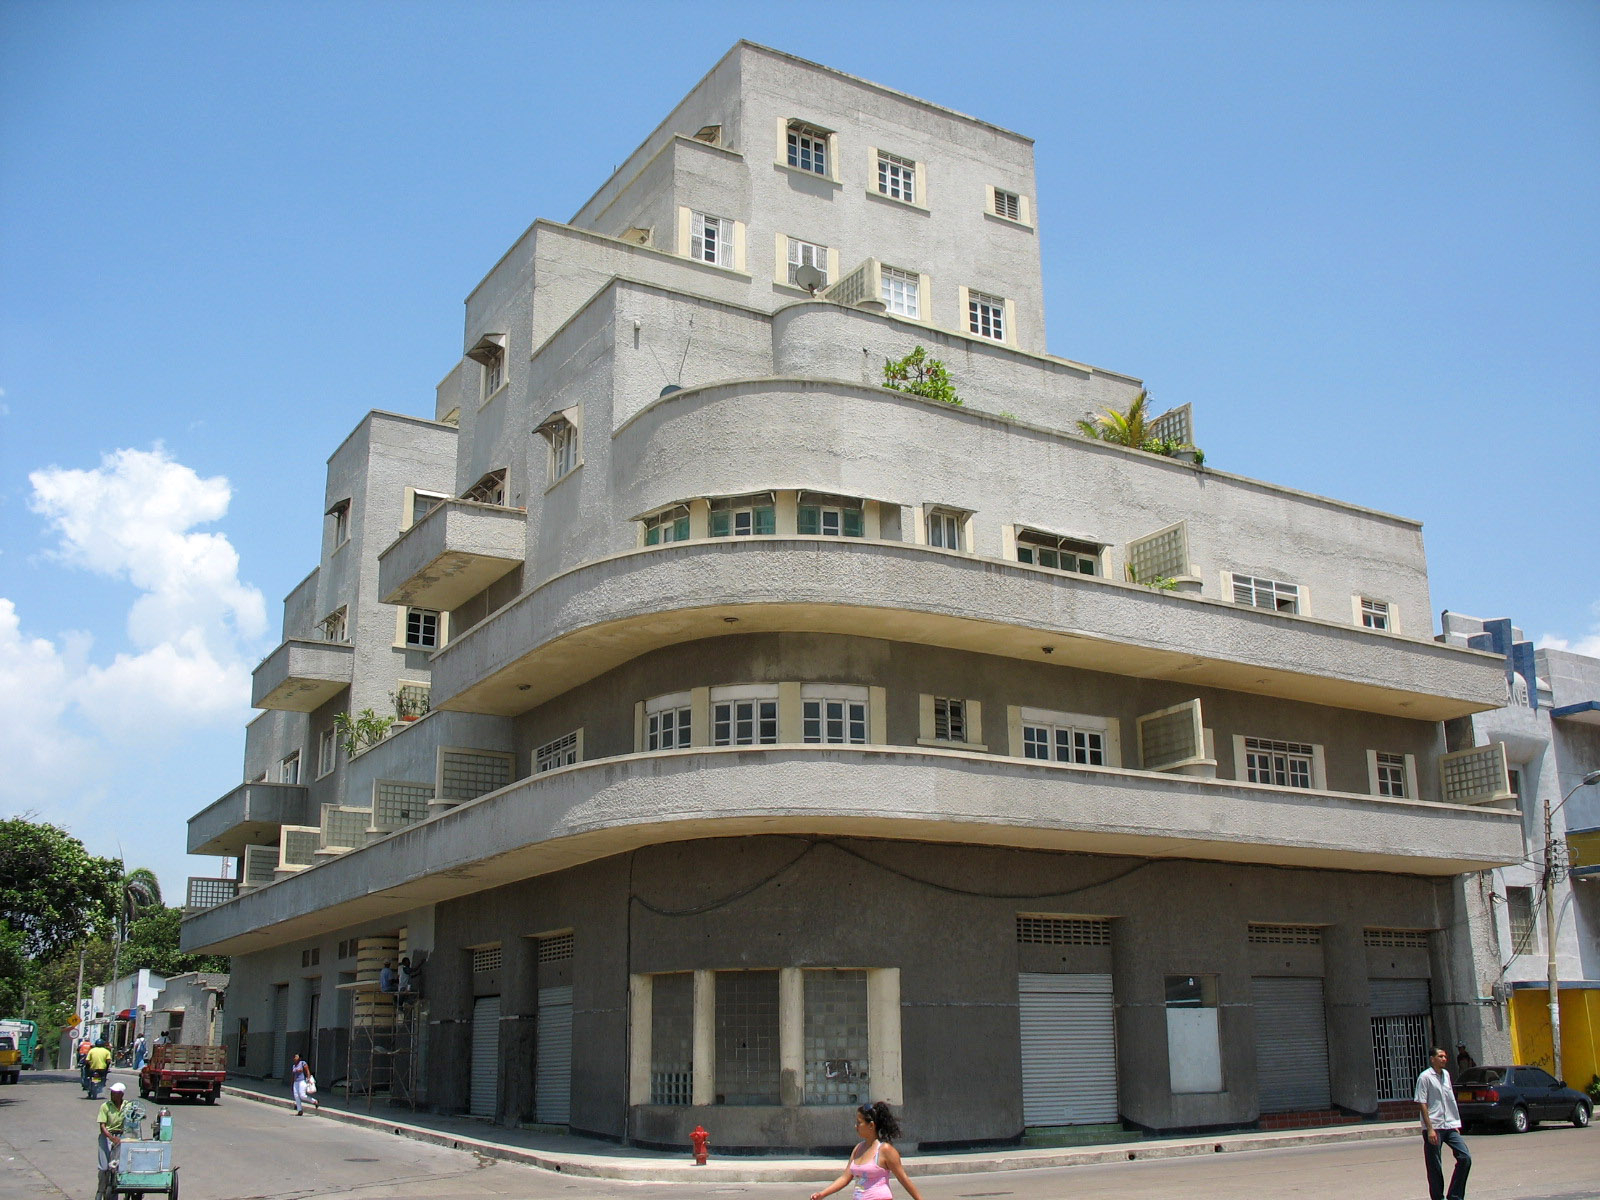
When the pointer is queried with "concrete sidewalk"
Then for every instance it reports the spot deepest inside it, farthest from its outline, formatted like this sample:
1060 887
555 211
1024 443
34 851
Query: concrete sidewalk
593 1158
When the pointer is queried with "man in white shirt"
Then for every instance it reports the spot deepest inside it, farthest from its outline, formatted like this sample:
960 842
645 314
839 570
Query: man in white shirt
1441 1126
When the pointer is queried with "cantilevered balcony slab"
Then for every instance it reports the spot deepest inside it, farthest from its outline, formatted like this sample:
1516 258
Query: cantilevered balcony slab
598 616
452 554
593 810
301 676
249 815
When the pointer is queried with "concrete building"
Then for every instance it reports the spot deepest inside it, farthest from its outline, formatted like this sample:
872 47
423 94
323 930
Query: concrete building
1549 734
783 741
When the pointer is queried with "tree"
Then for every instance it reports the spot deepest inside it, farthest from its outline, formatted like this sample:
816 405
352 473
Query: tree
1135 429
153 943
921 376
53 892
139 893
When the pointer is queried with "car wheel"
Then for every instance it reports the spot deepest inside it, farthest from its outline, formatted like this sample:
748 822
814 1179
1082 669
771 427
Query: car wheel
1519 1120
1580 1114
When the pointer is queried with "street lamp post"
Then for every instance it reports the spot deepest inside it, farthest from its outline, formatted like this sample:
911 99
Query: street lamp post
1552 976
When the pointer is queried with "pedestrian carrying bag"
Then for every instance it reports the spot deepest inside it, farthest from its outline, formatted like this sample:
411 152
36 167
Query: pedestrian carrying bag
311 1086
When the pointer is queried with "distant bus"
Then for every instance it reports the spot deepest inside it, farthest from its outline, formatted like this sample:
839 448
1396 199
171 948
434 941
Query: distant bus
27 1036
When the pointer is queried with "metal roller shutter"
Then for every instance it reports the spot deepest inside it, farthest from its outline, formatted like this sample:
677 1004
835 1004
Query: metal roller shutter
485 1087
1069 1049
552 1074
1401 1031
1291 1045
1400 998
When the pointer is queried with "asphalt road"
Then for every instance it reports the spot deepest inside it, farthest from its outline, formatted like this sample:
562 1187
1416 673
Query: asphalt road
242 1150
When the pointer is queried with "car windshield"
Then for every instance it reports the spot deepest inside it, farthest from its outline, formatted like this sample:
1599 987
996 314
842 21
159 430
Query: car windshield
7 1044
1482 1075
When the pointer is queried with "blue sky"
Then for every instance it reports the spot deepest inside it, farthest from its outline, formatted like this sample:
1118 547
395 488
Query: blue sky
1360 239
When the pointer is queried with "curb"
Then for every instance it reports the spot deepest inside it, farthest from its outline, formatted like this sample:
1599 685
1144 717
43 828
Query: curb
740 1169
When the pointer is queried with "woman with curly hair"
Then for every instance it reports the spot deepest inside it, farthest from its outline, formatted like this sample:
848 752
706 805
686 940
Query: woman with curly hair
874 1159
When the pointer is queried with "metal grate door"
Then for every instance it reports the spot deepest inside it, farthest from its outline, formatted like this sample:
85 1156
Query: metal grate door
1069 1049
552 1069
1291 1045
1401 1023
485 1082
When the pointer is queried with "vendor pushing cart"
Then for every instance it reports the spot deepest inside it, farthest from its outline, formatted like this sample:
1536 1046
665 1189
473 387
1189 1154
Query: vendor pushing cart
130 1165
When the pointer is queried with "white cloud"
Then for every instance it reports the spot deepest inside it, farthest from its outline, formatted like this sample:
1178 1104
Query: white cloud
1586 643
70 719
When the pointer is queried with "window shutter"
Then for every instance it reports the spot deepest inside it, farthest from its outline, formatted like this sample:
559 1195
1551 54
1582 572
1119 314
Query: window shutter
852 522
808 519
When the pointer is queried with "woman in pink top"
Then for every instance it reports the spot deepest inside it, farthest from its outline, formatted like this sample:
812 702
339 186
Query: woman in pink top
874 1159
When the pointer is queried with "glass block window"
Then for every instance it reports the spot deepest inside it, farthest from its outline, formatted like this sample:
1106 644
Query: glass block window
986 316
808 148
899 290
743 517
670 526
1282 764
485 958
562 752
344 828
836 1037
208 893
807 254
555 948
667 723
1475 776
413 700
260 862
1524 930
834 720
1395 939
1285 935
1007 205
1266 593
747 1037
1163 554
672 1038
1391 772
1374 613
1171 737
949 720
749 721
897 177
396 804
422 628
468 774
298 846
1037 929
1057 553
711 239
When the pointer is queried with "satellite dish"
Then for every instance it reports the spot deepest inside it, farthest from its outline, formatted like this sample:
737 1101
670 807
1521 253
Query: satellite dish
668 390
809 277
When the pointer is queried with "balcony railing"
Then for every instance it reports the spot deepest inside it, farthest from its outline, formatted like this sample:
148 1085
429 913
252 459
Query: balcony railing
205 892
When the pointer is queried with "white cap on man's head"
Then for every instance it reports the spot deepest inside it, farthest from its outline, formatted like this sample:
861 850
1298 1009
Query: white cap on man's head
119 1087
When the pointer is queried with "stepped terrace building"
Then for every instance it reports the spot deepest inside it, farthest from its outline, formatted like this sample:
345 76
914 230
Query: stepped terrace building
770 740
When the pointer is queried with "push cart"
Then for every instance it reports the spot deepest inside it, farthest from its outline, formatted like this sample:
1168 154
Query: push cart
144 1165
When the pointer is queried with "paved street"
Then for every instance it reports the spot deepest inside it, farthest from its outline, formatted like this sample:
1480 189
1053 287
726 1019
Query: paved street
241 1150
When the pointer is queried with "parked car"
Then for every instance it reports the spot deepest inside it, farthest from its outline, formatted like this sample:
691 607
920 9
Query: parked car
1518 1097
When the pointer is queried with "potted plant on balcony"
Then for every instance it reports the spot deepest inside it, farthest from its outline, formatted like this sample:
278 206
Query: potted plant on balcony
411 703
362 731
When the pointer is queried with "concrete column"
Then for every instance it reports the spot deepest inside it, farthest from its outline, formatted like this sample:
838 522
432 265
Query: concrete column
641 990
791 721
884 1074
1347 999
705 1037
791 1037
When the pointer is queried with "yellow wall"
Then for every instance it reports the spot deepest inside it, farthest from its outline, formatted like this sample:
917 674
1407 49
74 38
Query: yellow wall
1580 1032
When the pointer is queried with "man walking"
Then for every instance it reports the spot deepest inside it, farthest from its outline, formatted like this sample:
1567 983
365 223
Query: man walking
1441 1126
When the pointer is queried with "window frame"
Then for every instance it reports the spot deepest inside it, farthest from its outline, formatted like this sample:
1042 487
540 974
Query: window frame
986 316
720 241
998 206
909 284
820 258
327 752
730 697
340 512
948 519
1382 766
415 642
755 505
668 525
797 130
674 734
895 172
338 621
1260 586
1106 730
1313 753
489 352
1369 609
846 511
568 747
288 765
1035 541
490 488
850 697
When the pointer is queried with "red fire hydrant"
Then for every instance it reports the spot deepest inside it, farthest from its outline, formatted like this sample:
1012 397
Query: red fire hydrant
701 1140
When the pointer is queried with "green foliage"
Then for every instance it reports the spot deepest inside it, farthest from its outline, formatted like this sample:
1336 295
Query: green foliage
153 943
1133 428
921 376
361 731
1161 583
53 892
416 704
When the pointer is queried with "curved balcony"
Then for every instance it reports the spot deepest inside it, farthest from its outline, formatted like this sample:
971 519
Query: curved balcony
593 810
459 548
302 675
598 616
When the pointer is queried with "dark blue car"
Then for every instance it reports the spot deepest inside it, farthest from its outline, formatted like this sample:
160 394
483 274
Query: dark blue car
1518 1097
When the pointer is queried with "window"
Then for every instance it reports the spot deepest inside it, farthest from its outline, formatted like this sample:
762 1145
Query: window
335 626
669 526
807 148
744 717
1519 908
491 489
563 450
672 1038
1374 613
1007 205
746 1044
490 354
1390 771
327 751
945 527
1163 554
667 722
1282 764
1194 1042
949 720
289 769
1063 737
711 239
562 752
807 254
899 292
897 177
462 774
835 1036
340 513
839 518
833 715
742 517
1057 553
1514 781
422 503
422 628
1266 593
986 315
486 958
412 701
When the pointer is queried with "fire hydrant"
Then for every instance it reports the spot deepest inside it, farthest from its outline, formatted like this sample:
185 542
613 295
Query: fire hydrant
701 1140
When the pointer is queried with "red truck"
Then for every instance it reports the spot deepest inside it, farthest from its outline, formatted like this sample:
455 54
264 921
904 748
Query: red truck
196 1071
